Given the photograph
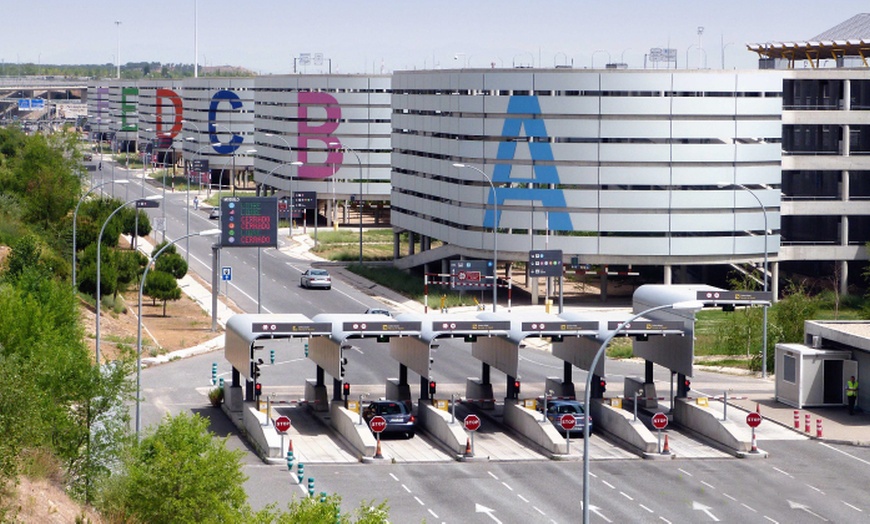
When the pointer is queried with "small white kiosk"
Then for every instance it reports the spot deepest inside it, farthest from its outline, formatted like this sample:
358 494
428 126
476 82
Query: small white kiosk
812 376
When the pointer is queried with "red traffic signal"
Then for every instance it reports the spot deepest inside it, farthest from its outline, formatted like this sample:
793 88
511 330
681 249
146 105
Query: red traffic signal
603 385
688 384
516 386
432 387
258 389
346 389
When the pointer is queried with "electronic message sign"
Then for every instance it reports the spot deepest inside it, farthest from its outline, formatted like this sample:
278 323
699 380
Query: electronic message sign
249 222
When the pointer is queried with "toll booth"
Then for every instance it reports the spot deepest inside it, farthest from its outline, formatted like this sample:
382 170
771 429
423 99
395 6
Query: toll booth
812 376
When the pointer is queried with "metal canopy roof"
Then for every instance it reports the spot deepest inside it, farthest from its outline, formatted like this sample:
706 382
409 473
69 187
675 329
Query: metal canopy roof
849 38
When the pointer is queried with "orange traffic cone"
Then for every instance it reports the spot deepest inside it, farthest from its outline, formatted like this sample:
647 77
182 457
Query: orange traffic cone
468 452
378 451
757 408
290 445
666 450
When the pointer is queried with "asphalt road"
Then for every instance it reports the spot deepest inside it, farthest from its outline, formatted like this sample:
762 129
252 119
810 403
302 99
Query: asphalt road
802 481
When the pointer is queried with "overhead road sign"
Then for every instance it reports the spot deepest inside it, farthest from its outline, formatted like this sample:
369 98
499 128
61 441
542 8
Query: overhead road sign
284 328
241 335
145 203
561 327
381 327
714 298
249 222
646 327
463 326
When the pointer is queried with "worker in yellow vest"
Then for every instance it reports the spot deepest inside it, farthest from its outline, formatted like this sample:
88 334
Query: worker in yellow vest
852 393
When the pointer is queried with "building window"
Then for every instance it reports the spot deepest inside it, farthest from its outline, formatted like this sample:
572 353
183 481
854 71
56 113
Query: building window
860 99
810 185
810 229
812 94
789 369
813 139
859 185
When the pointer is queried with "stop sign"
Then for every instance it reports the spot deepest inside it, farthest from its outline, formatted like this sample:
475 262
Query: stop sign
282 424
472 422
378 424
568 421
753 420
660 420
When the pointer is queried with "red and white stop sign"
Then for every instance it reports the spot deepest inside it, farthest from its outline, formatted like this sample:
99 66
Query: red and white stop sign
282 424
378 424
472 422
753 420
568 421
660 420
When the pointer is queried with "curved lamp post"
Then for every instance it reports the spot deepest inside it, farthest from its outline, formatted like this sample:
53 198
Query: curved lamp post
678 306
764 324
75 215
99 244
494 233
208 232
359 163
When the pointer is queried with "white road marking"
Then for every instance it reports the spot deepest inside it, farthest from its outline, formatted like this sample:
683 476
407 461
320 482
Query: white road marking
749 508
406 488
684 472
538 510
524 499
853 507
432 513
815 488
506 485
646 508
711 486
770 519
491 474
394 477
730 497
626 495
786 473
608 484
418 500
666 520
844 453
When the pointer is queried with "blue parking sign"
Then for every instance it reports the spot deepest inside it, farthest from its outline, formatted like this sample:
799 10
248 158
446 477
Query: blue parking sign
227 273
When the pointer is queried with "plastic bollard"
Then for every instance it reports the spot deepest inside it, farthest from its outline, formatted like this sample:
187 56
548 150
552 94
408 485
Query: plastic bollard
310 486
213 373
797 419
289 461
818 428
300 472
221 382
807 423
272 356
322 497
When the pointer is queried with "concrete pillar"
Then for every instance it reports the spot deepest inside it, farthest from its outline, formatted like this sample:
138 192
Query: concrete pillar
397 245
412 239
669 275
844 276
534 288
774 273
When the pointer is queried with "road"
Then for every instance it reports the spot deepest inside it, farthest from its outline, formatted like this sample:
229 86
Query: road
802 481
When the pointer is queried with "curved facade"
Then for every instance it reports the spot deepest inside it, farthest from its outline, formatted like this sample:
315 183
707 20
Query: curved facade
613 166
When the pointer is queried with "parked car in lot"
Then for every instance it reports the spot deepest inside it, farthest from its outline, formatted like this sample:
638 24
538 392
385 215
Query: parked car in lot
557 408
398 416
316 278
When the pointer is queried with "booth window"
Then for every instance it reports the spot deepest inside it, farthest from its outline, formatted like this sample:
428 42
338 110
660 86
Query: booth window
789 369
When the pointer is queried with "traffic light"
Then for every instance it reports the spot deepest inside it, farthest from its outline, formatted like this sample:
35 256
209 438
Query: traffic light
258 389
346 389
343 363
432 387
255 374
517 386
688 384
603 386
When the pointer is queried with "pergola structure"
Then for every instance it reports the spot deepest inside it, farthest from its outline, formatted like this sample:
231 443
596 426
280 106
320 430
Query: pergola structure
850 38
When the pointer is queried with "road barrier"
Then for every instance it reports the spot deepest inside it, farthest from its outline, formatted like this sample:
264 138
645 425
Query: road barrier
797 419
818 428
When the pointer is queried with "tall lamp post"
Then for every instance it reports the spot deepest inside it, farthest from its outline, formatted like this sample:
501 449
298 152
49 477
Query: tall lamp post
494 233
259 250
292 194
75 215
764 325
99 244
678 306
118 24
359 163
208 232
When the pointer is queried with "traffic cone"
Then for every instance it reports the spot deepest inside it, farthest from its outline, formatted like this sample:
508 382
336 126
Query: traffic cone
378 451
666 450
757 408
290 445
468 452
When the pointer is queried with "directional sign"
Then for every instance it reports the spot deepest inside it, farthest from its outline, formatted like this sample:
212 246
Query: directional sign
249 222
378 424
472 325
545 263
322 328
734 297
470 274
381 326
660 420
568 421
282 424
753 420
586 325
227 273
648 325
143 203
472 422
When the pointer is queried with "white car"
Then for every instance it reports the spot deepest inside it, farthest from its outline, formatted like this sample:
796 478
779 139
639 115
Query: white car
316 278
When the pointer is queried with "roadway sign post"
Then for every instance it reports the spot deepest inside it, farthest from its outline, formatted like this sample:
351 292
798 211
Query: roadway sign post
753 419
568 421
660 422
282 424
472 424
378 424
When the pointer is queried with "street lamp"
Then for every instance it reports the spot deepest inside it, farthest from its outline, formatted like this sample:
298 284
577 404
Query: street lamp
359 163
75 214
118 24
677 306
764 324
99 244
494 233
207 232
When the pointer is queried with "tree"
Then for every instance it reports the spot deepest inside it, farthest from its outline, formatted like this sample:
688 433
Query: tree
161 286
169 261
181 472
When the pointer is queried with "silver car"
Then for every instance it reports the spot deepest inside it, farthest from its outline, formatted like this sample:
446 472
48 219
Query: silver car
316 278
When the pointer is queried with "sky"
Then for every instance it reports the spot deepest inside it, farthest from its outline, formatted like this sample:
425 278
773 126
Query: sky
381 36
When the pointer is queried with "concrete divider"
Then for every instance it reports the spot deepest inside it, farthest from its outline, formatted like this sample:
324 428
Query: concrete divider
437 423
317 396
264 438
621 425
531 424
359 436
707 422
